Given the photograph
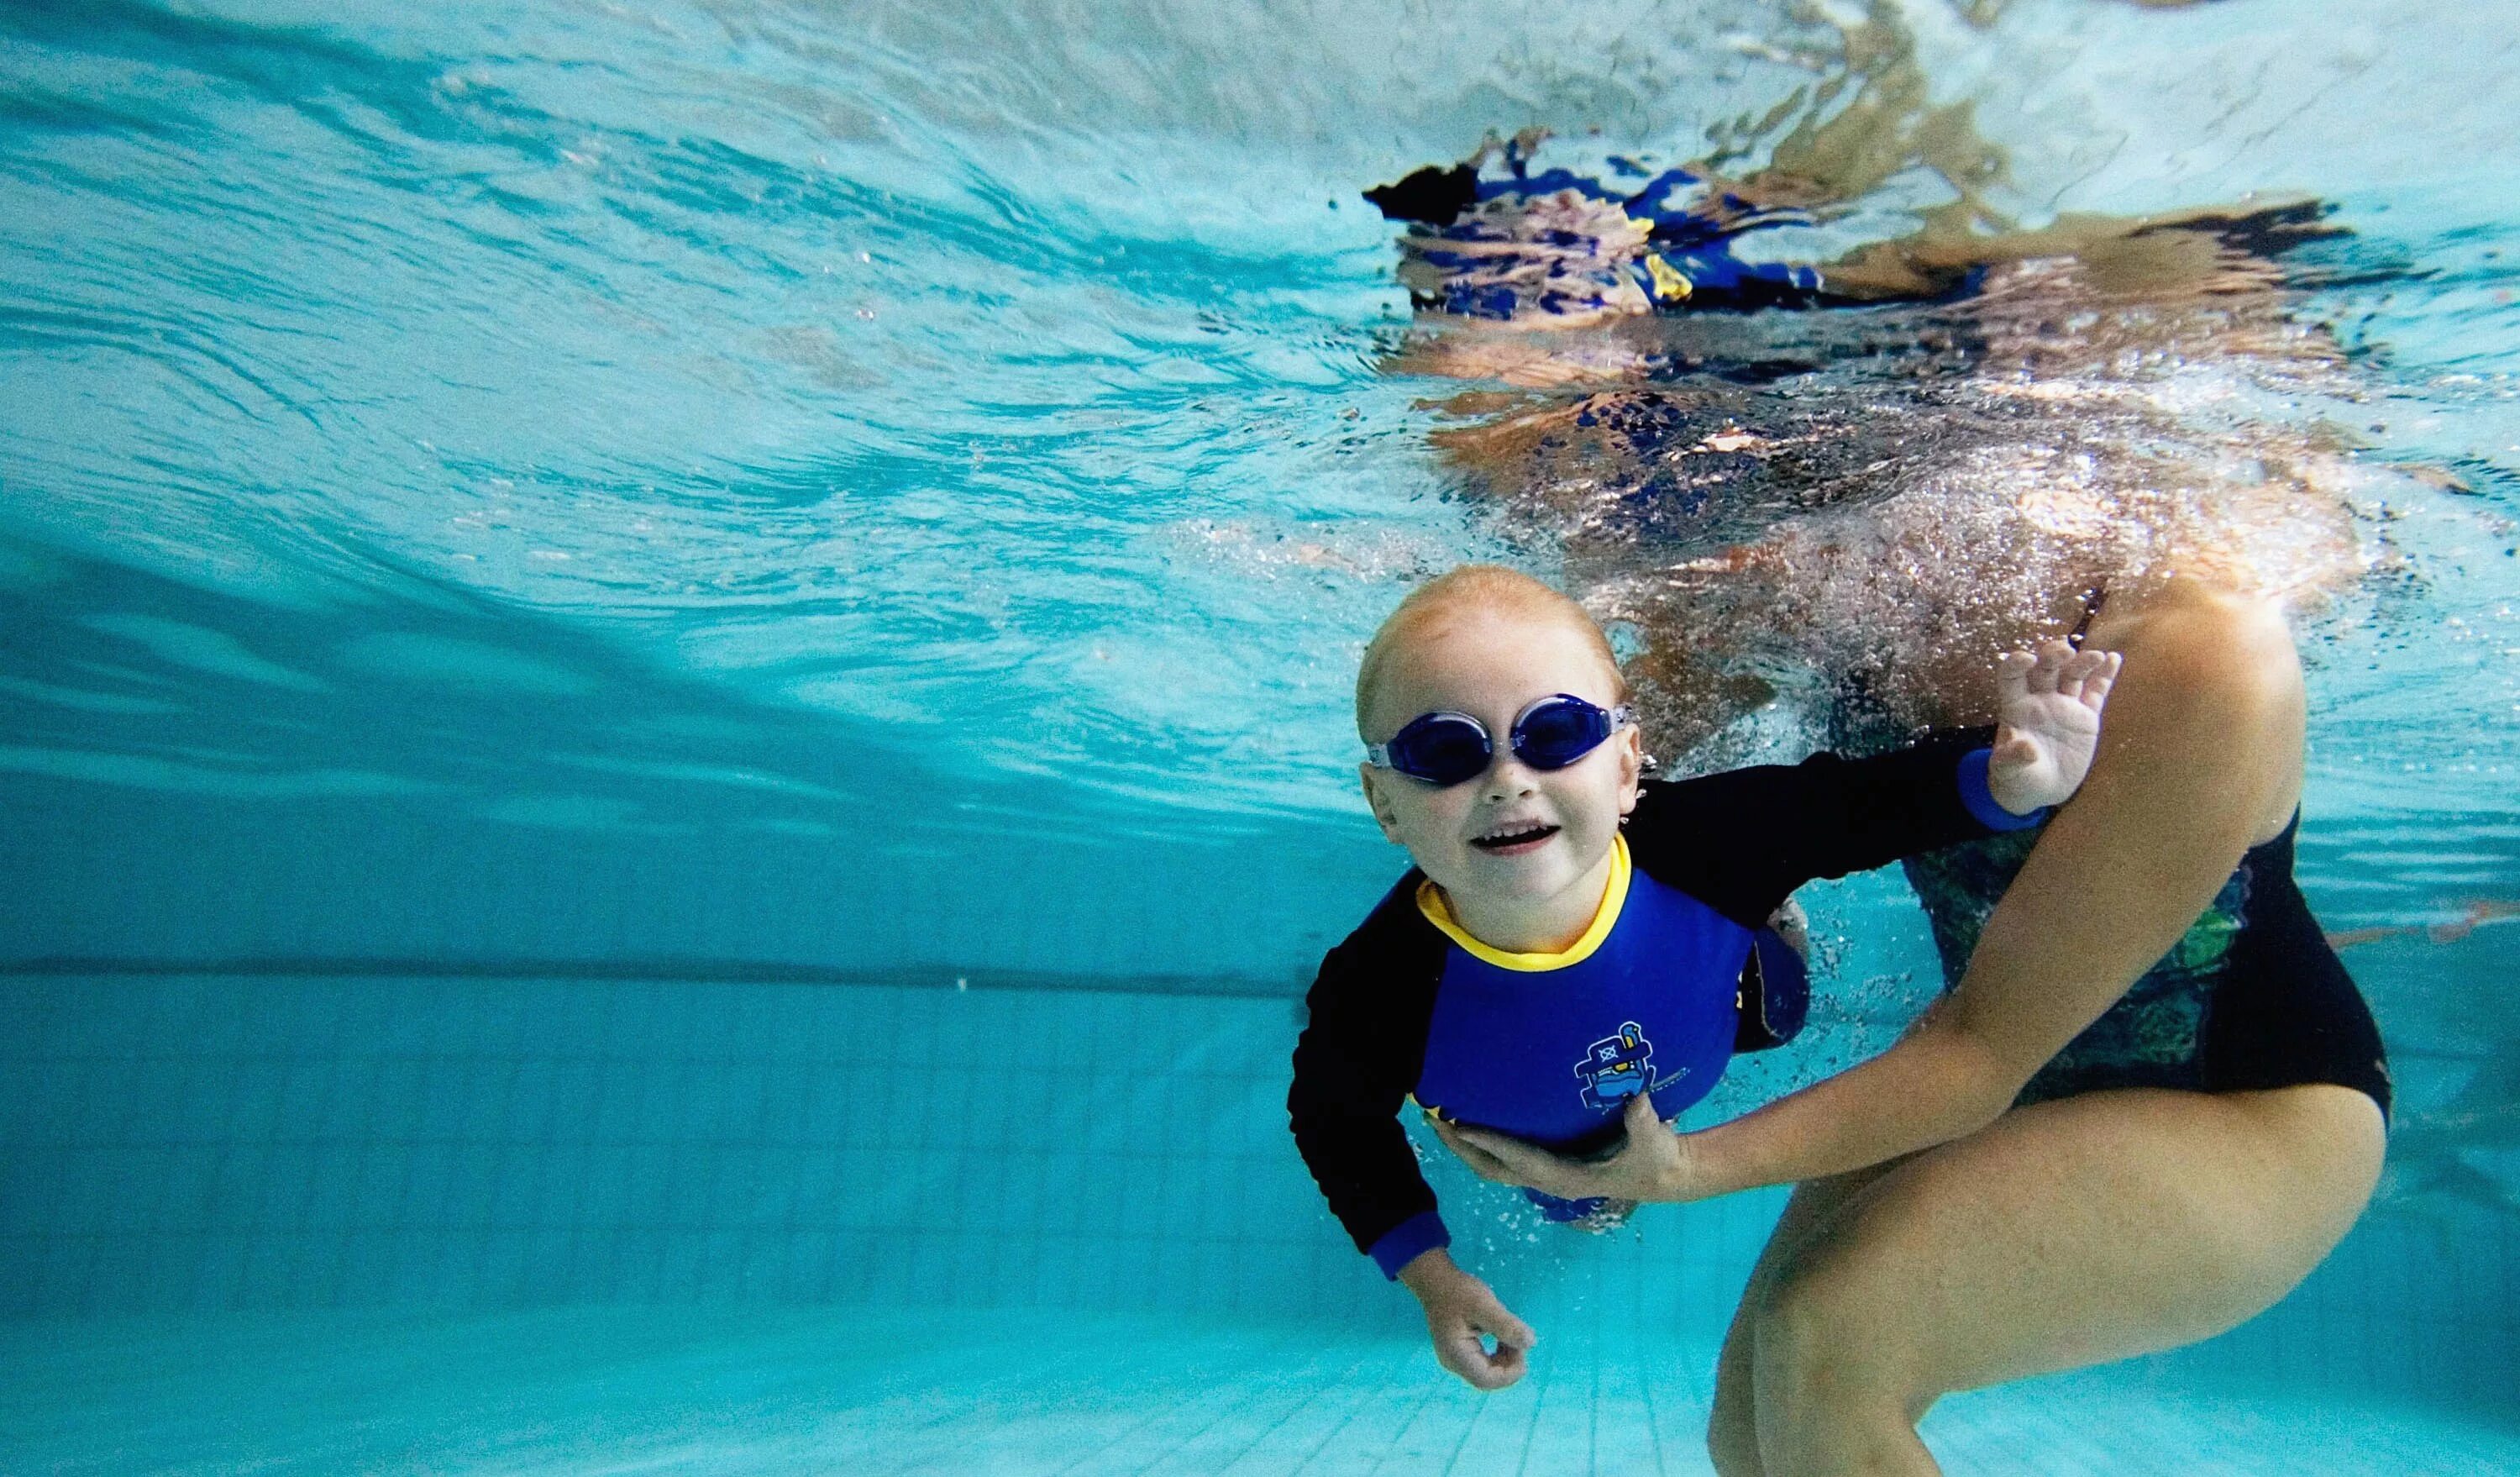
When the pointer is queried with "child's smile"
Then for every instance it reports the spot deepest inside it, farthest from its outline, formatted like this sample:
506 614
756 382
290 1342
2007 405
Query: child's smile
1514 839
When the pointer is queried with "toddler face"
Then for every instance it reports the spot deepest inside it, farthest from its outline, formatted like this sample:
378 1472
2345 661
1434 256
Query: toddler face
1513 834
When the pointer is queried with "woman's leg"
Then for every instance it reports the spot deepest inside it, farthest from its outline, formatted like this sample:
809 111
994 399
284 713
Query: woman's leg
2067 1234
1731 1427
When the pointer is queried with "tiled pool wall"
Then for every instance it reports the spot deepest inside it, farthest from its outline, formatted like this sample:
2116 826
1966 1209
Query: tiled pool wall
238 1143
245 1140
227 1142
105 872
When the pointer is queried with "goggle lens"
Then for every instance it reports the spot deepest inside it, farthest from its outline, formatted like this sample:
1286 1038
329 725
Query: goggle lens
1560 732
1448 748
1441 748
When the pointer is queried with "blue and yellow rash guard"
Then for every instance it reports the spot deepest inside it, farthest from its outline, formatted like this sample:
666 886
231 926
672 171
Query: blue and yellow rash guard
1550 1048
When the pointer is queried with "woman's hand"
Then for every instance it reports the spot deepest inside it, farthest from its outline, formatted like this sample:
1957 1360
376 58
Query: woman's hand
2049 706
1652 1165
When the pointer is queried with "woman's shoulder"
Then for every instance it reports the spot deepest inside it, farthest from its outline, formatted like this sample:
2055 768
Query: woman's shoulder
2212 687
2191 634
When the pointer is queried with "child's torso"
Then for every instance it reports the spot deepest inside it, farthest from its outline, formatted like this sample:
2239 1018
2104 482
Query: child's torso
1549 1049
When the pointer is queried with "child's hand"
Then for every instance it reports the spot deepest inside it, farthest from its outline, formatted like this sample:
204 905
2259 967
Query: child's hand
2049 706
1459 1309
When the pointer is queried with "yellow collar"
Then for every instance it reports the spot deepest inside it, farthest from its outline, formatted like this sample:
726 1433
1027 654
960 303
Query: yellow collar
1439 912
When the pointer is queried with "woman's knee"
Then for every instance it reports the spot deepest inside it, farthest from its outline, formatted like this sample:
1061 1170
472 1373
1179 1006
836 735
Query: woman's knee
1834 1390
1733 1425
1822 1336
1808 1229
1732 1444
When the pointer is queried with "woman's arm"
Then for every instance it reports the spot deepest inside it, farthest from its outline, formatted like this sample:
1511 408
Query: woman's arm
2200 756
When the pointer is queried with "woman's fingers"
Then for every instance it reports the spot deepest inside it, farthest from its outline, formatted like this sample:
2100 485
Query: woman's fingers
1510 1155
1482 1163
1508 1161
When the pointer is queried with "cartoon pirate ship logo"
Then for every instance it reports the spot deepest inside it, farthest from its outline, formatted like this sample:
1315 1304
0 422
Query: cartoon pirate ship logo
1616 1068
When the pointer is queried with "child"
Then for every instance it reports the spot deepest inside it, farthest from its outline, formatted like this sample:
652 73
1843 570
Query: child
1540 970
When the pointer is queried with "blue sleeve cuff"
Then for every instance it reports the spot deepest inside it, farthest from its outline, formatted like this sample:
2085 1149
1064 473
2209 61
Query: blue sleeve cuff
1412 1238
1979 799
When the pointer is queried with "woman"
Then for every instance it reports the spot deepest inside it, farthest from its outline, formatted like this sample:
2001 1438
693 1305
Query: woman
2152 1100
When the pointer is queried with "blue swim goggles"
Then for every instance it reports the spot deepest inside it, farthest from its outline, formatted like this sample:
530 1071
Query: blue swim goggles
1447 748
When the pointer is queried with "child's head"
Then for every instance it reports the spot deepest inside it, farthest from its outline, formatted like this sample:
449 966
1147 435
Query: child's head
1488 643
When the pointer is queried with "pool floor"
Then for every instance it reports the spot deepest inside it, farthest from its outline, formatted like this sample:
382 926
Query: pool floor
616 1390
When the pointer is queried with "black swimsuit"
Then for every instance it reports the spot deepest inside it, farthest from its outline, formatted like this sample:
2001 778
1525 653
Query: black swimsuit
2251 996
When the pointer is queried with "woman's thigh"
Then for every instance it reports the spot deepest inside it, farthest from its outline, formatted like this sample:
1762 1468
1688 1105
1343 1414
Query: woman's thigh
2066 1233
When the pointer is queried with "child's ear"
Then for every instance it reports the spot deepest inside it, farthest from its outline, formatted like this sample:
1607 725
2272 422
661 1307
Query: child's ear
1632 767
1382 815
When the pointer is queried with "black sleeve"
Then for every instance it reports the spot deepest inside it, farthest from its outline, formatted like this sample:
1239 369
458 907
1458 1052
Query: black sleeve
1361 1050
1743 840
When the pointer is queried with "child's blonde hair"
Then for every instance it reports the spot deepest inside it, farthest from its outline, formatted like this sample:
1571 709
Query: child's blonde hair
1488 590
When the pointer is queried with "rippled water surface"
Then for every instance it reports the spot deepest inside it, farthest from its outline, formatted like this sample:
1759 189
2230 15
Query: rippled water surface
1001 383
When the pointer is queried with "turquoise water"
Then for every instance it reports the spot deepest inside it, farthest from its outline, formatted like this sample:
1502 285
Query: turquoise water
675 684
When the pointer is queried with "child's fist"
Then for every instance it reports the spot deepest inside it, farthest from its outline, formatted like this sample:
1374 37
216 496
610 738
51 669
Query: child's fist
1459 1310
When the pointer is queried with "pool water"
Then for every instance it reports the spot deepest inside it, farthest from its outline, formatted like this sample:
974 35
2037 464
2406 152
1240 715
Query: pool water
674 741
